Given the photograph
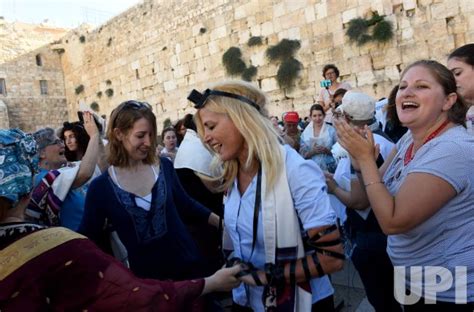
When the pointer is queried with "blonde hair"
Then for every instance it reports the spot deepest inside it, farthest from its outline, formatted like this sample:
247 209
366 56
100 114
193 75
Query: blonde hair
257 130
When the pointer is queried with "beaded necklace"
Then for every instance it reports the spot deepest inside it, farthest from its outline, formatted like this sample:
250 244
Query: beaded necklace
409 153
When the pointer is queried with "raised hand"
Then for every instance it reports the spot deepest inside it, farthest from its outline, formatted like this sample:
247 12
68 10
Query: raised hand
89 124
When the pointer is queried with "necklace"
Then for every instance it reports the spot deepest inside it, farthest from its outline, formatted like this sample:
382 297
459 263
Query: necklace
409 153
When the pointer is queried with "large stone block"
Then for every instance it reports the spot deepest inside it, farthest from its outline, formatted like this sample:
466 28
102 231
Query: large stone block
309 14
392 73
348 15
258 58
256 30
219 32
409 4
279 10
269 84
169 85
444 10
365 78
321 10
240 12
466 6
267 28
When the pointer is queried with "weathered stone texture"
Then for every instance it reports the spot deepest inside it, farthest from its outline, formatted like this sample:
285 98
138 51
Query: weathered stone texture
26 107
159 50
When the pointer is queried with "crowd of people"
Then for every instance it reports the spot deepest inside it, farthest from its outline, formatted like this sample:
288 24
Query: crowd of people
233 199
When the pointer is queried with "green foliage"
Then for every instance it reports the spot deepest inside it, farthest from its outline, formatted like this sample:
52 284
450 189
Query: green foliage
95 107
383 31
108 82
167 123
287 73
254 41
79 89
109 92
249 73
82 39
99 94
284 50
358 30
202 30
232 60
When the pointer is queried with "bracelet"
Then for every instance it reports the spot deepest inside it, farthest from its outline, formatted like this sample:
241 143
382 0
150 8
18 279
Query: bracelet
371 183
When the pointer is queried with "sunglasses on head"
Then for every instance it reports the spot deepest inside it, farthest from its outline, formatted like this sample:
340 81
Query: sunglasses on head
199 99
132 104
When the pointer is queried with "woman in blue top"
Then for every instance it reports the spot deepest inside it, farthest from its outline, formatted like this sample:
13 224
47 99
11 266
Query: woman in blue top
141 197
317 140
271 191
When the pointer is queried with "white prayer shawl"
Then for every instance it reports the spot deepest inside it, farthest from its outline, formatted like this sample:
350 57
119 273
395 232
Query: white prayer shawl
338 152
309 139
193 155
281 229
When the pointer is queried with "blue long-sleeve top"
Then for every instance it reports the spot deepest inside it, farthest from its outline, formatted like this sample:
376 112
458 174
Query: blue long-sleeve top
158 243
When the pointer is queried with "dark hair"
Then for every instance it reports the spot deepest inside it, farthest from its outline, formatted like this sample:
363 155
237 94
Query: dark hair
392 107
123 117
339 92
168 129
464 54
5 205
188 122
457 113
177 127
82 139
328 67
316 107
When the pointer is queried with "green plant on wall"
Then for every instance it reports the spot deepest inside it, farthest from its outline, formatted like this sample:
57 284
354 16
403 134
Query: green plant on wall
109 92
288 72
167 123
285 49
289 69
233 63
254 41
376 28
79 89
95 107
249 73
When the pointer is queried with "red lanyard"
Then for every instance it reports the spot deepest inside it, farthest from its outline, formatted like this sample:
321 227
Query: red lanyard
409 152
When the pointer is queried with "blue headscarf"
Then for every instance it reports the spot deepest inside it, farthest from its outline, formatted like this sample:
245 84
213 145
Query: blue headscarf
18 163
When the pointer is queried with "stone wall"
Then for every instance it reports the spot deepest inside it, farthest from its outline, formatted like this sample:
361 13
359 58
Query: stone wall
4 120
26 108
159 50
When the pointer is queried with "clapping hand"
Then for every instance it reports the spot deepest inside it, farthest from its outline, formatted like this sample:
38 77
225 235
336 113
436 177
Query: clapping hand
358 142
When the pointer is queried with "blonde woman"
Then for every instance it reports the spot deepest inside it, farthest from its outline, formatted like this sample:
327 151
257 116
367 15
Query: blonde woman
268 186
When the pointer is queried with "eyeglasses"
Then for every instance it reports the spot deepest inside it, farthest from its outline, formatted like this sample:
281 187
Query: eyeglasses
56 142
132 104
199 99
